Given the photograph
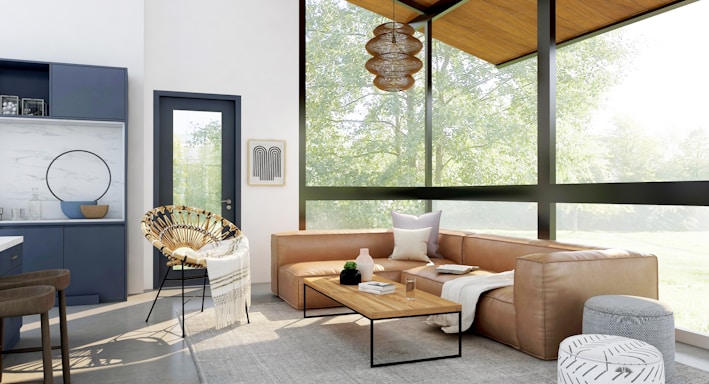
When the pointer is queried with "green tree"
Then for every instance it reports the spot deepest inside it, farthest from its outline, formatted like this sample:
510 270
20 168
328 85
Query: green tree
197 167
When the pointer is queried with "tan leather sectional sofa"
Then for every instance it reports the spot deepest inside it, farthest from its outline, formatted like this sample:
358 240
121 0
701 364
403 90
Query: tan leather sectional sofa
552 280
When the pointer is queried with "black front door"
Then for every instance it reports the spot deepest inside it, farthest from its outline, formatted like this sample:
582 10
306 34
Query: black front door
197 156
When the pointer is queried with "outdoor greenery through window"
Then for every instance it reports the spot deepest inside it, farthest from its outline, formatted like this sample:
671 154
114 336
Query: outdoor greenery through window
677 235
356 134
630 108
197 154
642 90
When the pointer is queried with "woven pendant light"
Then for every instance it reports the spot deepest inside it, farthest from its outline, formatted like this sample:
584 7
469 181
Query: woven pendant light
394 63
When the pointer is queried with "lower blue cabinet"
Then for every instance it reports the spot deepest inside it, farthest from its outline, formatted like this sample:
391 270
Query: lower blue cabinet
11 264
94 253
96 257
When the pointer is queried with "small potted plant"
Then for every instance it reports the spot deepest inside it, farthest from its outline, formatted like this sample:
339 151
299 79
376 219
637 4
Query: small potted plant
350 275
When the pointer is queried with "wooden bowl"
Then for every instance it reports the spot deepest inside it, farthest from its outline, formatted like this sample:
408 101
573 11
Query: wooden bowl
94 211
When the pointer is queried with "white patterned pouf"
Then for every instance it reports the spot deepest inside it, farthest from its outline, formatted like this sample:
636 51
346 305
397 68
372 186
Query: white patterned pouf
608 359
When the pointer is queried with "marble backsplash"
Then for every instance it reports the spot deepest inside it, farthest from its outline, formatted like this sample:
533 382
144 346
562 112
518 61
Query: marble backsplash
76 151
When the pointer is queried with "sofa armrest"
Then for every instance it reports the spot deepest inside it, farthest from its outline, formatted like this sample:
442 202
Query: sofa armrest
550 291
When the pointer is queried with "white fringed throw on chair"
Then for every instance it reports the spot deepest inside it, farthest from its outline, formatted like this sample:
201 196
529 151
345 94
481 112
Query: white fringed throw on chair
229 273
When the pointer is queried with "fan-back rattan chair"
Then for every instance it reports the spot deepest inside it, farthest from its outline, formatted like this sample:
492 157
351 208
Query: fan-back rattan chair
171 227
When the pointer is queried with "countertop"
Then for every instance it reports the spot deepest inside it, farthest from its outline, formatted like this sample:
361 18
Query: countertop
7 242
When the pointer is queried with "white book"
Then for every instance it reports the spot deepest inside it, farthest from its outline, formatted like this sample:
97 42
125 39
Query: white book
376 292
456 269
377 286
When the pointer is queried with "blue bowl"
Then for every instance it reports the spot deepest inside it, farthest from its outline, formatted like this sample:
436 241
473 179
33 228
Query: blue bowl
72 209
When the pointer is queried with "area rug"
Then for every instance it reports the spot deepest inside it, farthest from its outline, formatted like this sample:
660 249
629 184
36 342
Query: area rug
280 346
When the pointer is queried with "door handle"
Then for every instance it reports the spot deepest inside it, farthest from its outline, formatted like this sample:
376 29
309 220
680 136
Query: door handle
228 204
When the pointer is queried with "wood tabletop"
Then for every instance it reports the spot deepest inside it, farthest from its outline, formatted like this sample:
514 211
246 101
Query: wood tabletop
387 306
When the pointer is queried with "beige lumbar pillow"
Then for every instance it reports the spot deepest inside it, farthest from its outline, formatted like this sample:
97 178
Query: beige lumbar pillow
411 244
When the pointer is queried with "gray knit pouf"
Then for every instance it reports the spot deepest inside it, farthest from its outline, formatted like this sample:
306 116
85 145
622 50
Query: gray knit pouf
608 359
635 317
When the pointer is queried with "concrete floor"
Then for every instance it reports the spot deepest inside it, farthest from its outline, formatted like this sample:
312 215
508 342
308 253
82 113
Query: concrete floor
112 343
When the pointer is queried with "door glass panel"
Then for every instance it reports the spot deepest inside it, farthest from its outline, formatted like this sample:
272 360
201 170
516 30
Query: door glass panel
197 159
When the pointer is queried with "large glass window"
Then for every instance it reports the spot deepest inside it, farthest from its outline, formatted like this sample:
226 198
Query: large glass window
502 218
484 120
356 135
643 92
676 235
334 214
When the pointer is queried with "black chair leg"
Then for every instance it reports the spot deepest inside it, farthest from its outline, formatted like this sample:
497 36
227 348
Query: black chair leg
158 294
204 287
182 283
182 287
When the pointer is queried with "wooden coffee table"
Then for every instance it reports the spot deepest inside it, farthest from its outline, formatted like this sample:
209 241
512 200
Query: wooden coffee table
382 307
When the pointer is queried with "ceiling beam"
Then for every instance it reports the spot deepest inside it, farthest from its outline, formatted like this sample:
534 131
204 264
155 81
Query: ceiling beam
434 12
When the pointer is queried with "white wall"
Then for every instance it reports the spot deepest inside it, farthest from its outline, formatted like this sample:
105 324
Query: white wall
233 47
245 48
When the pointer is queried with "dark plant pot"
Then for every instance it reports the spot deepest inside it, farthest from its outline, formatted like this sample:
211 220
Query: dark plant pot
350 277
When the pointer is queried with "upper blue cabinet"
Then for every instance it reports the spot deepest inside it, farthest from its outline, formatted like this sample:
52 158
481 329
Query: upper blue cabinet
69 90
79 91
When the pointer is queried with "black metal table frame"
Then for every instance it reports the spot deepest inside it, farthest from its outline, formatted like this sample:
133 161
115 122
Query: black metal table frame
371 330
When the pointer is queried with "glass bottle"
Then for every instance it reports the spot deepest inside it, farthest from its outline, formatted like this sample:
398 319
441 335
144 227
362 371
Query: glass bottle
35 205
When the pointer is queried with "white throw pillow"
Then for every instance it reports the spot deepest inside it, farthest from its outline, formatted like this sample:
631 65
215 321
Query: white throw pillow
431 219
411 244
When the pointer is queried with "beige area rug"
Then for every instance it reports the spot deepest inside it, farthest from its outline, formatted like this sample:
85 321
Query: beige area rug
279 346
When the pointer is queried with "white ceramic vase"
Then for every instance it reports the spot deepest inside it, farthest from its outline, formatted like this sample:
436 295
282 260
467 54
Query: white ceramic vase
365 264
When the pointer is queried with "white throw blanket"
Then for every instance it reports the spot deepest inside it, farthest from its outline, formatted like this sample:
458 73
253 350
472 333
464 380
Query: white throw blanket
466 291
229 273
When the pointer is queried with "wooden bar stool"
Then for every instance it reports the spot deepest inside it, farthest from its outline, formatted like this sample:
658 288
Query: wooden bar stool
59 279
38 299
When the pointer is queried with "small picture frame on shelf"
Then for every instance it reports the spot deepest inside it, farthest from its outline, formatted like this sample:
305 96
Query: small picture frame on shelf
9 105
266 162
34 107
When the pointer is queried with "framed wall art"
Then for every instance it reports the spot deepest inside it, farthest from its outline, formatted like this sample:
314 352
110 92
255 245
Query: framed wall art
266 162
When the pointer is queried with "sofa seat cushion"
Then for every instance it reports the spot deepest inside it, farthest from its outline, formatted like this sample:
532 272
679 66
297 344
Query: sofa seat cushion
427 279
495 311
495 316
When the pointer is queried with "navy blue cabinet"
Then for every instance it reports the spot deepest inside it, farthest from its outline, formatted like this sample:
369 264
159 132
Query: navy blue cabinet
95 254
11 264
87 92
42 246
94 250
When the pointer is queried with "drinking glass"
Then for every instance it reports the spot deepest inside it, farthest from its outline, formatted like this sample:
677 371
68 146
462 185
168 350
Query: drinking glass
410 288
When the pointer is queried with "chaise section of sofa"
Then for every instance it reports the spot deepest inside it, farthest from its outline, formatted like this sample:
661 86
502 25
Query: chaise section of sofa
550 291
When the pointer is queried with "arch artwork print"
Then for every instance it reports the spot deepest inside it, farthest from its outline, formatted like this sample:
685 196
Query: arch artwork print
267 162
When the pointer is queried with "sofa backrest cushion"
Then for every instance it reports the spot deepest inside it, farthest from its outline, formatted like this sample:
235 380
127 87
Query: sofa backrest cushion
499 253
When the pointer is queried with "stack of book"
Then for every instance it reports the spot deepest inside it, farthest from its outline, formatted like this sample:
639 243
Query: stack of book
455 269
377 287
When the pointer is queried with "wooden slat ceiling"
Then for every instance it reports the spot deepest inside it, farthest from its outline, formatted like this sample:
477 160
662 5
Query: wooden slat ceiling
500 31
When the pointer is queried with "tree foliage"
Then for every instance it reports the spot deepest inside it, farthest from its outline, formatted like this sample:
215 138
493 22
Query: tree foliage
197 172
